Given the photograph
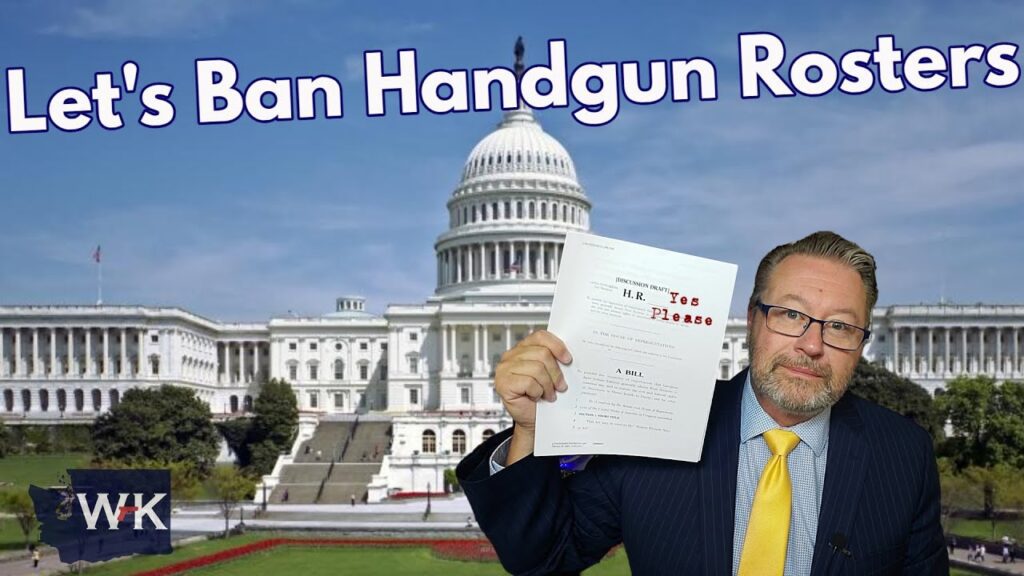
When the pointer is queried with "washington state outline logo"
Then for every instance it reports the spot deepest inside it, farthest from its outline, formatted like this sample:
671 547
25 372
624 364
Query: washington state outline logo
96 515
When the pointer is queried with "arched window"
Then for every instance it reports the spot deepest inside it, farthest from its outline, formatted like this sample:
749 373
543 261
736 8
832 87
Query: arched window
565 211
543 211
554 211
97 400
519 209
26 400
483 212
115 398
234 403
9 400
532 213
339 369
79 401
44 400
429 442
62 400
459 442
487 434
247 403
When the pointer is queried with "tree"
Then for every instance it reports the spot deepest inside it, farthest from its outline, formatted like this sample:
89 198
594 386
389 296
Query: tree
19 503
898 394
165 424
230 486
5 439
987 421
959 493
273 427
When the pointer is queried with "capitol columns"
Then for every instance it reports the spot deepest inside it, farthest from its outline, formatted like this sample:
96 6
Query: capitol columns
963 351
72 361
947 358
981 354
1016 350
256 362
36 364
106 352
54 371
3 354
241 362
123 364
476 349
931 356
140 353
543 264
896 350
999 350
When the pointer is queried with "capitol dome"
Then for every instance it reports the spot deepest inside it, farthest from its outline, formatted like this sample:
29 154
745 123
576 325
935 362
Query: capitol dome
518 146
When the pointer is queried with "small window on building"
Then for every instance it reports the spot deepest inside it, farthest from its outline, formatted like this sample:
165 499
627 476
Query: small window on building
414 336
725 345
459 442
414 396
744 345
383 346
364 371
364 346
312 345
293 372
313 371
464 392
154 338
414 364
293 345
429 442
312 400
337 346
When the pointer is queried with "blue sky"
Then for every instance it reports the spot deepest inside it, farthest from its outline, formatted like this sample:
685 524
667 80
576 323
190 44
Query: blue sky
248 220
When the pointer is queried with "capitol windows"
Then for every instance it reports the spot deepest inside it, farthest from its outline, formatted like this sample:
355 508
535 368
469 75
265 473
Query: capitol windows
293 372
313 397
234 403
414 396
337 346
62 400
565 212
474 214
483 212
494 211
573 212
312 345
339 369
293 346
429 442
725 371
725 345
155 338
414 364
543 211
414 336
313 371
44 400
115 398
459 442
97 398
464 394
364 371
9 400
487 434
508 210
247 403
554 211
154 365
79 401
532 211
364 346
519 209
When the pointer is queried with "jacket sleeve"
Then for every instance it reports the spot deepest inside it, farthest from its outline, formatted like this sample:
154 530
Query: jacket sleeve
926 549
538 522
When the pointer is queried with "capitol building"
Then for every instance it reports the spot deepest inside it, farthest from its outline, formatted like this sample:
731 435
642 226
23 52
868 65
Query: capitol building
421 373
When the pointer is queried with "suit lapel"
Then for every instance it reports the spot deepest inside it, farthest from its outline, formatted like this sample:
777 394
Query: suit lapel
718 475
844 477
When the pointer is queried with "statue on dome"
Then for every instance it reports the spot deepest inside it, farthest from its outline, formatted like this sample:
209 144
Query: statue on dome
520 50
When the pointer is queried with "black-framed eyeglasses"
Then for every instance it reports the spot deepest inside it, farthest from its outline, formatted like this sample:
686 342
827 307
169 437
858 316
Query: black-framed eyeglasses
794 323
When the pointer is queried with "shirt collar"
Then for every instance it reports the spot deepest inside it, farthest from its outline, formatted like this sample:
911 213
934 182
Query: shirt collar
754 421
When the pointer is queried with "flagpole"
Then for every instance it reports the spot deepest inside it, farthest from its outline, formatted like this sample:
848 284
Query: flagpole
99 283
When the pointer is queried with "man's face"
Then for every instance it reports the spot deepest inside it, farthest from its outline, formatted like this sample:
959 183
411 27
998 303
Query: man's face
803 375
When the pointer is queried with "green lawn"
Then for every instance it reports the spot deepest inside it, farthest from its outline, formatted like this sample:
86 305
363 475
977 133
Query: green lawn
314 561
983 529
39 469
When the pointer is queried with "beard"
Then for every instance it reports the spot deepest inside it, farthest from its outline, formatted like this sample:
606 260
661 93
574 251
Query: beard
795 395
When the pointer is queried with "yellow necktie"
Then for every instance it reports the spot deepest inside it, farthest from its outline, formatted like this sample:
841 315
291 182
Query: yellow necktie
764 548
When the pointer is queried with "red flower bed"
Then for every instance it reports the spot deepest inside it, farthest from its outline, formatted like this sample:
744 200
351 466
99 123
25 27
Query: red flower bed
476 550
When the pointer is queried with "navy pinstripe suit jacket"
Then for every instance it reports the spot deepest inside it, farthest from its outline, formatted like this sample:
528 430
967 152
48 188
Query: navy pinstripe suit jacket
881 493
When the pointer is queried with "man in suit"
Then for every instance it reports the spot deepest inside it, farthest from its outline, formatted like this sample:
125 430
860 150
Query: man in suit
796 476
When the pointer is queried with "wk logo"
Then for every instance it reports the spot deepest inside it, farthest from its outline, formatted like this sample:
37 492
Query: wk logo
104 514
103 505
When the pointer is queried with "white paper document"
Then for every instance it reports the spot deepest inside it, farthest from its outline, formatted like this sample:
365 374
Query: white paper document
645 328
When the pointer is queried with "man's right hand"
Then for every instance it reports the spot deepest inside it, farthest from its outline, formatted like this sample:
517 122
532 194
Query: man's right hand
526 374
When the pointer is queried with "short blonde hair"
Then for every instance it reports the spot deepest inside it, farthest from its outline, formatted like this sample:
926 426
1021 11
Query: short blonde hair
822 244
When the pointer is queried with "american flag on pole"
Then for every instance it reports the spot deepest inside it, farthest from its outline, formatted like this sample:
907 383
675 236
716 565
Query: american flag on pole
96 254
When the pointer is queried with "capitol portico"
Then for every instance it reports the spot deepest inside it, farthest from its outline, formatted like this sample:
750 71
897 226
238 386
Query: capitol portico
426 367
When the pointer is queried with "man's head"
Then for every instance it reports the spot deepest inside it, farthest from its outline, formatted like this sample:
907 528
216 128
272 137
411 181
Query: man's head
820 277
